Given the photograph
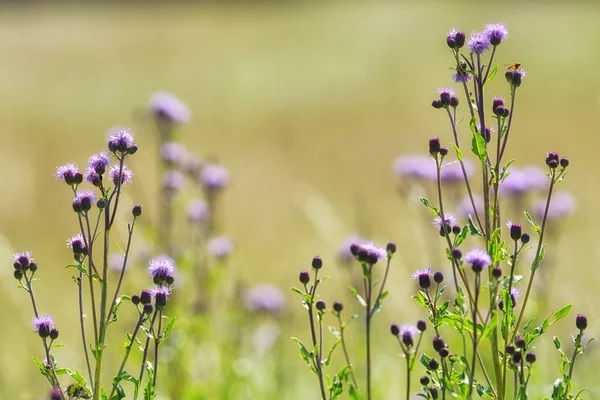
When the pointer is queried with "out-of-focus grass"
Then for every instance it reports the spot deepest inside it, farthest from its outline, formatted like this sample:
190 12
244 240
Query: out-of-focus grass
306 104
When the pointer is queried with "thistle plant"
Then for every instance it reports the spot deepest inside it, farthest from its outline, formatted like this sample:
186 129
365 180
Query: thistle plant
97 212
485 333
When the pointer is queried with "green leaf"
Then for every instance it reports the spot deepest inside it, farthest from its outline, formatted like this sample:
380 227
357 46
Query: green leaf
539 259
472 228
335 332
478 146
434 210
536 228
492 74
327 361
556 342
354 395
169 328
459 154
460 238
358 296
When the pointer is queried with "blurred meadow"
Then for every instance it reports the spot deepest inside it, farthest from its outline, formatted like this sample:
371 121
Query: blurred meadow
307 104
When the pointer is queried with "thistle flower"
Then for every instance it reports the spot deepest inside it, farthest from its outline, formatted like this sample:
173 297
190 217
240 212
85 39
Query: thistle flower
562 205
455 39
83 200
220 247
495 33
120 176
449 221
515 77
371 253
77 243
478 259
264 298
479 42
197 211
446 95
423 276
461 76
69 174
168 107
22 261
121 140
407 334
43 325
344 254
162 269
415 167
173 180
161 296
173 153
93 177
98 162
452 172
214 177
515 230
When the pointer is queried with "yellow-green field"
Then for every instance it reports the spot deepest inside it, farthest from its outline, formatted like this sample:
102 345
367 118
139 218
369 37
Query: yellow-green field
307 104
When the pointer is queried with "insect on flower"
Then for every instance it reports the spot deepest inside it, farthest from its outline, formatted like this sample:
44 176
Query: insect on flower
513 67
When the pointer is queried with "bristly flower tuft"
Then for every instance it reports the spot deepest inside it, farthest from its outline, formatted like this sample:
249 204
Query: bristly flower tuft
424 277
220 247
120 176
407 334
43 324
478 259
162 269
161 296
22 260
121 141
77 243
496 33
197 211
83 200
455 39
69 174
479 42
168 107
98 162
214 178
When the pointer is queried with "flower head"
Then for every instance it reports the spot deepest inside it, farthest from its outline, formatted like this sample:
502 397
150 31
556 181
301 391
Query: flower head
264 298
515 77
121 140
93 177
161 296
562 205
446 96
23 260
344 254
478 259
197 211
449 220
43 325
162 269
407 334
173 153
168 107
77 243
495 33
173 180
455 39
370 253
214 177
424 277
120 176
83 200
220 247
98 162
415 167
69 174
479 42
461 76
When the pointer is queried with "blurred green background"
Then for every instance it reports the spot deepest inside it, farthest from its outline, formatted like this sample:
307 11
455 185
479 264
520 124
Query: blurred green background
306 103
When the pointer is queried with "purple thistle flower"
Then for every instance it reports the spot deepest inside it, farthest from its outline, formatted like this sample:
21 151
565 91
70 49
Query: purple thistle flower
162 269
465 208
220 247
515 293
192 164
495 33
446 95
93 177
118 176
115 261
23 259
415 167
214 177
407 334
168 107
122 140
68 173
198 211
161 296
265 298
173 153
99 162
455 39
562 205
521 181
344 254
83 200
452 172
43 325
479 42
449 220
77 243
478 259
423 276
372 253
461 76
173 180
